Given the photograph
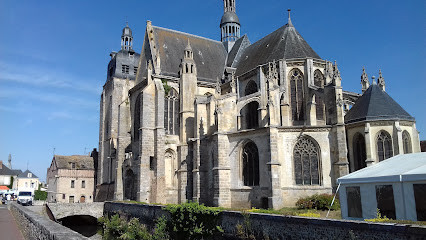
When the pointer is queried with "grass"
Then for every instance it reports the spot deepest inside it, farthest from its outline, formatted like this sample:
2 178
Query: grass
283 211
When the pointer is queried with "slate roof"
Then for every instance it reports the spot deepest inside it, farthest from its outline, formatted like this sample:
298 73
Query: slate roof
209 55
25 174
284 43
376 104
237 50
5 171
82 162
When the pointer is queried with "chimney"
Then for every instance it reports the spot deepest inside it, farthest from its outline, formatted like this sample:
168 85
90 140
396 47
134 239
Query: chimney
1 164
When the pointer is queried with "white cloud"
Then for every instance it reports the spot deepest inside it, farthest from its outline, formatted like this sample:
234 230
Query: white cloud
49 97
65 115
41 77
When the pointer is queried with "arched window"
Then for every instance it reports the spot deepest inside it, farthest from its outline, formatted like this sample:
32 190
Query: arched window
384 146
129 185
359 152
306 156
406 141
171 112
251 88
319 82
137 118
250 157
318 79
249 116
170 167
297 95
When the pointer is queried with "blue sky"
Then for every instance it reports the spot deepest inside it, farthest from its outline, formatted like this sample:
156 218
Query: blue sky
54 55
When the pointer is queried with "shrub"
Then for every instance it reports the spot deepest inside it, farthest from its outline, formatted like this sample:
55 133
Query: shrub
193 221
319 202
119 228
40 195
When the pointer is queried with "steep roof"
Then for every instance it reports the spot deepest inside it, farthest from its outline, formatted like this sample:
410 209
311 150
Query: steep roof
376 104
235 54
5 171
209 55
82 162
284 43
25 175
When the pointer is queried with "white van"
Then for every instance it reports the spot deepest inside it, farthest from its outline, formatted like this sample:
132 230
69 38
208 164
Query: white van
25 198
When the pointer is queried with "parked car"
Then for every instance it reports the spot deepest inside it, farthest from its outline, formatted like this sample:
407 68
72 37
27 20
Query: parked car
25 198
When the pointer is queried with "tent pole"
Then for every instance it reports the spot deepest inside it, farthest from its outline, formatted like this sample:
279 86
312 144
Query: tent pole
337 190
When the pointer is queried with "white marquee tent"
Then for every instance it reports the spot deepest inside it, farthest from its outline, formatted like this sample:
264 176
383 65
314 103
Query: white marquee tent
395 186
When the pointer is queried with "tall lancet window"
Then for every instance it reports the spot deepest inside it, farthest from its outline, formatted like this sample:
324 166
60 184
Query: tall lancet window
319 82
384 146
171 112
406 141
306 156
297 95
137 118
250 157
359 152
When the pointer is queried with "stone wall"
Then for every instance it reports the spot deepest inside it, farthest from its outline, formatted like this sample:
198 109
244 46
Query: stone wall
35 226
284 227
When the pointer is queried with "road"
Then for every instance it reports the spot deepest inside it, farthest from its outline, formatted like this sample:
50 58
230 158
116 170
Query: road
8 228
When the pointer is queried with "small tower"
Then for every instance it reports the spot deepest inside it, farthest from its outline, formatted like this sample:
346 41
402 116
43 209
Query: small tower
365 83
127 38
9 165
188 89
229 25
381 81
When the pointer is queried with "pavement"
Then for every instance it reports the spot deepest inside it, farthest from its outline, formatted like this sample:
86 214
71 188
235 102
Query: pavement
8 228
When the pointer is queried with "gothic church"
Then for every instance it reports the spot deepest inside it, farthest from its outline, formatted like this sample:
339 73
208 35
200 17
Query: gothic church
237 124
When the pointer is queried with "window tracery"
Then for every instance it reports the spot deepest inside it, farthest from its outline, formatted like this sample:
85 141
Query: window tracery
297 95
384 146
306 162
406 141
171 113
250 88
250 158
359 152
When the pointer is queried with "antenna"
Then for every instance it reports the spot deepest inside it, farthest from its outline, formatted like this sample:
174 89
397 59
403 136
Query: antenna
27 165
54 151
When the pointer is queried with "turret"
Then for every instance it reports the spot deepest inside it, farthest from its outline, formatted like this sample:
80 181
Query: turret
188 90
127 38
229 25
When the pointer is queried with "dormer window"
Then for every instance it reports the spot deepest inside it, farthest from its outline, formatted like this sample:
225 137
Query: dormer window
125 69
72 165
30 175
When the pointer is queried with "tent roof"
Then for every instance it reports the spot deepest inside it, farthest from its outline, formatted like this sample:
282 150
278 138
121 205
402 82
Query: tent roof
400 168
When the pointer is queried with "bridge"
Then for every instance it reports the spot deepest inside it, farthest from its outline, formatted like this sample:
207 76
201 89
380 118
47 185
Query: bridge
63 210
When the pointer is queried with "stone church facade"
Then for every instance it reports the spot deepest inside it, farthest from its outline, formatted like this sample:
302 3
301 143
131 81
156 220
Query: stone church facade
236 124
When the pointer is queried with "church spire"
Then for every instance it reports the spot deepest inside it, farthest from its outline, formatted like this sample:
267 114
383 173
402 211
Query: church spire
127 38
10 161
290 24
229 24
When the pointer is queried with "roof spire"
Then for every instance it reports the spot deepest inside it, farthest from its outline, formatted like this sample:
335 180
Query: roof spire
289 18
365 83
381 81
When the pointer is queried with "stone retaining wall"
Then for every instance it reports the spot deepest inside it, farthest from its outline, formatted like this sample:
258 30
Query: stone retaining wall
34 226
284 227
